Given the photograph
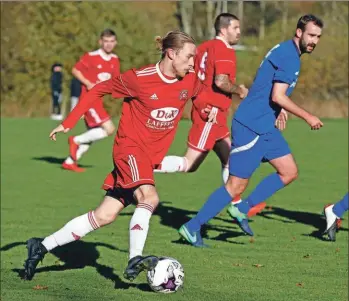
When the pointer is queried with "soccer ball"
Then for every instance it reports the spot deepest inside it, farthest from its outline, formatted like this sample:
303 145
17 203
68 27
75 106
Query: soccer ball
167 277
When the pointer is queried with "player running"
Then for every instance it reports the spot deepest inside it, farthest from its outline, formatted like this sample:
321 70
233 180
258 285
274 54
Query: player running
155 97
93 67
215 65
254 137
333 214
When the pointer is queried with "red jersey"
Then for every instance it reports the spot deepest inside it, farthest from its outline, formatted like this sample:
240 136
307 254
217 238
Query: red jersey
151 110
215 57
97 66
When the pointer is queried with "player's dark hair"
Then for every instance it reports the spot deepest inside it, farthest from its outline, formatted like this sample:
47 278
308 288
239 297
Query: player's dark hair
173 40
223 21
304 20
107 33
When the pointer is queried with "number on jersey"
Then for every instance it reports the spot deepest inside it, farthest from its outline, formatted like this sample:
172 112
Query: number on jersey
201 73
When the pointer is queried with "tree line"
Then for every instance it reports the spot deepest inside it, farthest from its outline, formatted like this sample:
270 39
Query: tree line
34 35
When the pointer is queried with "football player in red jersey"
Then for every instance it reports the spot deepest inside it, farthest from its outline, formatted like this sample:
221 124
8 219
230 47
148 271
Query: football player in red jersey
92 68
155 97
215 65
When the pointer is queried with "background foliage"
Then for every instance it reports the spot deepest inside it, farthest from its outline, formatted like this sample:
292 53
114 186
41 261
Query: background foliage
34 35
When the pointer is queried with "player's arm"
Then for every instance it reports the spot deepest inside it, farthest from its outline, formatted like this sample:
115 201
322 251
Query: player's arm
224 83
83 105
124 85
78 74
80 68
280 97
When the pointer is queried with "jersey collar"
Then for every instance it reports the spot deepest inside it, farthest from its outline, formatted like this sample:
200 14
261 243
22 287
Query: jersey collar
163 77
105 56
224 41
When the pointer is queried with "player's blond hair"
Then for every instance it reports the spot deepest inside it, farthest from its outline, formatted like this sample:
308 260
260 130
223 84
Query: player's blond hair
173 40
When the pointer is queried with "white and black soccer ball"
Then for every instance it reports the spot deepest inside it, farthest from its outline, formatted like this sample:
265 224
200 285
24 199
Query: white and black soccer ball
167 277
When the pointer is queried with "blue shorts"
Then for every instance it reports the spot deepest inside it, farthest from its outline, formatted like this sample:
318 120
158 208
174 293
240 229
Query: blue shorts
248 149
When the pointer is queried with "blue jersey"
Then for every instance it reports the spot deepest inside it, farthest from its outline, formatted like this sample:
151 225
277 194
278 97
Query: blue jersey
281 64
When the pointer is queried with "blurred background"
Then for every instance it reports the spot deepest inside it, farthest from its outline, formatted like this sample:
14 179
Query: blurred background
35 35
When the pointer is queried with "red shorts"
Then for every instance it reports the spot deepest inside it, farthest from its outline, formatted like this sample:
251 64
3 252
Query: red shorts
132 168
203 135
96 115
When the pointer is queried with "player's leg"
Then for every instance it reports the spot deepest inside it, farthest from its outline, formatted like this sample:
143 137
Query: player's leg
99 126
147 200
201 140
190 162
60 99
245 157
75 229
215 203
222 150
55 105
279 156
333 214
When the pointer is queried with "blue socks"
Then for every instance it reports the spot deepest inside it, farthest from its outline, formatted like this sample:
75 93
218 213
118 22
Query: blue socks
340 207
263 191
215 204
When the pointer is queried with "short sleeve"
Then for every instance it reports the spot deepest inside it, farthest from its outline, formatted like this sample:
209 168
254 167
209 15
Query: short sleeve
83 64
225 62
284 72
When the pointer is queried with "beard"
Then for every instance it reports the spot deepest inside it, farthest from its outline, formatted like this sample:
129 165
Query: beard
303 46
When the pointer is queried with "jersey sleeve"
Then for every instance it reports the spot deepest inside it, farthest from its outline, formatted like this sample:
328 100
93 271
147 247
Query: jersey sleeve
83 64
225 63
283 69
125 85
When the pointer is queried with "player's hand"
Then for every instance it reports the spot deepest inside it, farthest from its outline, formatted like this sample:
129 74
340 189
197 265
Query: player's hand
280 122
243 91
212 114
90 86
58 129
314 122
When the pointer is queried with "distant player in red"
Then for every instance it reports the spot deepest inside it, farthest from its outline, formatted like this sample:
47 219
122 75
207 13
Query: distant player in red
215 65
92 68
155 97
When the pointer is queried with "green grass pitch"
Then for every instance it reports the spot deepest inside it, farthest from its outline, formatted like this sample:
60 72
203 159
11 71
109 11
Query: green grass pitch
285 262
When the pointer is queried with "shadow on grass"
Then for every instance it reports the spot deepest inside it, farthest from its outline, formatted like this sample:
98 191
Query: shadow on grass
58 161
307 218
78 255
173 217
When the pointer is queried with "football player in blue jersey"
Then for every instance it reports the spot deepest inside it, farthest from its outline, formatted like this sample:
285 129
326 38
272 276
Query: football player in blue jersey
255 138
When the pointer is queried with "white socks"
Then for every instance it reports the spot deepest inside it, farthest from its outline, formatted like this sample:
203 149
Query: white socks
91 136
83 148
225 173
73 230
172 164
84 140
139 226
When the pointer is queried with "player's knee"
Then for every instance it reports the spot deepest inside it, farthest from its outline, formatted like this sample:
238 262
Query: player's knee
104 218
149 198
110 130
290 175
236 186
